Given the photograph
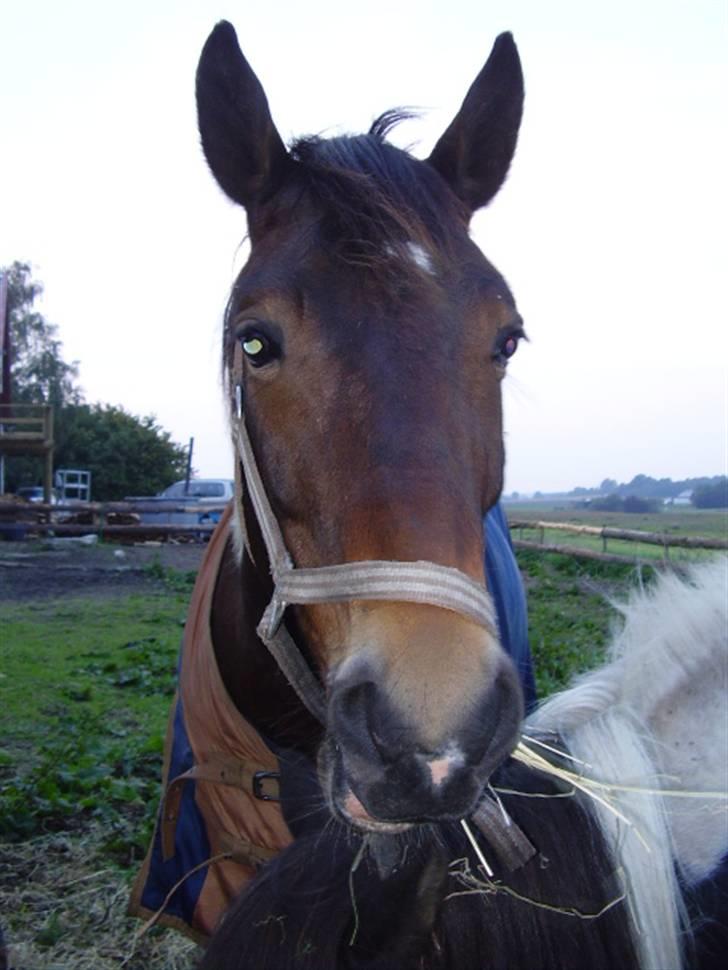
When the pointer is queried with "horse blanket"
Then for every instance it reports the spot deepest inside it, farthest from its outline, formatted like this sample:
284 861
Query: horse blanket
218 820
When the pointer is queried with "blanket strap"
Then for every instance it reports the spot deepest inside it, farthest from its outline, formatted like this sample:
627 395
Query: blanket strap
259 782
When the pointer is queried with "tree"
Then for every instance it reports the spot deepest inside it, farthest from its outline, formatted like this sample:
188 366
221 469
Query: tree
608 503
711 496
637 504
125 454
38 373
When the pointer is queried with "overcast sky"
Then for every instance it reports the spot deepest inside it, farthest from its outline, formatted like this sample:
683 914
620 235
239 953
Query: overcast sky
611 229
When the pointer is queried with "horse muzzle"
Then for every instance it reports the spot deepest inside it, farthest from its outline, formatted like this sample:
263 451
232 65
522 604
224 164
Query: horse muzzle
384 770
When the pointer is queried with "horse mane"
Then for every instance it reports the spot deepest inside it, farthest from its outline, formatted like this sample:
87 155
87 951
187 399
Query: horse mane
323 904
640 719
377 199
650 647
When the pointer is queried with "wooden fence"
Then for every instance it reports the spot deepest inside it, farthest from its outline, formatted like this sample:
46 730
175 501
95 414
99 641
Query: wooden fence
664 540
114 520
27 429
121 520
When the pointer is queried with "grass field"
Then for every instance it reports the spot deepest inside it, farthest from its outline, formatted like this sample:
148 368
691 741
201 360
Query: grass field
680 521
570 616
84 692
85 688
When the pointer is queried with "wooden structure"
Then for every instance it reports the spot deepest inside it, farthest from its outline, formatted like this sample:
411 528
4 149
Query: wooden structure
27 429
109 520
665 540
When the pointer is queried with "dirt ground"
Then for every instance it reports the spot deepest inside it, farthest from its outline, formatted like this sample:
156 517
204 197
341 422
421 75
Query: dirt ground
35 568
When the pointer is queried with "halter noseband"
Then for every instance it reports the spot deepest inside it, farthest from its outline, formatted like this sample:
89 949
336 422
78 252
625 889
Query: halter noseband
412 582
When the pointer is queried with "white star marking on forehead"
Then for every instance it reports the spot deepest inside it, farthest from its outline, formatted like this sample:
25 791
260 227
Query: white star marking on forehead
421 257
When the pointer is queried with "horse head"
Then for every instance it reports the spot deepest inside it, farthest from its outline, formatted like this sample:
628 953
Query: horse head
368 336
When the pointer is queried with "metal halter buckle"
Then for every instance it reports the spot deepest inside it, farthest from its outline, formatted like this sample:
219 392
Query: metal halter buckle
259 778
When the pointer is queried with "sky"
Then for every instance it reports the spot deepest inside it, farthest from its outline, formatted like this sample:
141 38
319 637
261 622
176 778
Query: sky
611 229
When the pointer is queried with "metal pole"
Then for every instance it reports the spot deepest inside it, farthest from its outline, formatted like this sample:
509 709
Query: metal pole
189 465
48 457
4 342
4 362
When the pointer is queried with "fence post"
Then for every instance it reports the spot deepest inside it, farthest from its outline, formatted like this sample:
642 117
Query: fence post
48 447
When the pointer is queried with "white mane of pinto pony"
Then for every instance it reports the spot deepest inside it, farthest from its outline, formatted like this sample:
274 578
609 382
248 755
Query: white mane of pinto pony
653 721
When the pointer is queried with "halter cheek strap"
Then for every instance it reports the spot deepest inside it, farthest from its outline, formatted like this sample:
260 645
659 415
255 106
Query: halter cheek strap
412 582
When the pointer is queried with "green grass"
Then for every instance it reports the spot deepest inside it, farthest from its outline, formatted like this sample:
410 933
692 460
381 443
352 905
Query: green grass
569 615
85 689
679 522
676 520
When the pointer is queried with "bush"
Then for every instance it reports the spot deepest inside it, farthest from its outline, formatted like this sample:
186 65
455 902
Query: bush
713 496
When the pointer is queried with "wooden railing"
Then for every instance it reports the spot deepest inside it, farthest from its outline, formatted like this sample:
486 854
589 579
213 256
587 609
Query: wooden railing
120 520
116 519
666 541
26 428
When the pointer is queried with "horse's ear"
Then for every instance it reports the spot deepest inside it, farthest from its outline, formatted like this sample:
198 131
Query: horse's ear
240 141
474 154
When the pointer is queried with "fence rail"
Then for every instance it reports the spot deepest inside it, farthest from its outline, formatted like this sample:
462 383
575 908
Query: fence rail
664 540
26 428
113 519
118 520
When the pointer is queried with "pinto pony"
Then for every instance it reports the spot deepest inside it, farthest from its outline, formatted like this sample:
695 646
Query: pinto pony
365 343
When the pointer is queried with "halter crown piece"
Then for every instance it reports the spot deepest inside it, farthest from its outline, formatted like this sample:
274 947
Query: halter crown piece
412 582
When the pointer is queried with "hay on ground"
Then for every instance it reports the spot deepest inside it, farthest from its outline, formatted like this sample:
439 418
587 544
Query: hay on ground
63 907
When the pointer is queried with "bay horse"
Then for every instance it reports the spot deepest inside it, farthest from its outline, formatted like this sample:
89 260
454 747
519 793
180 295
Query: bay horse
365 344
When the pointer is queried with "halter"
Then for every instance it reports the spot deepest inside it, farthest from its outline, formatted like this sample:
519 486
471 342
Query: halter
412 582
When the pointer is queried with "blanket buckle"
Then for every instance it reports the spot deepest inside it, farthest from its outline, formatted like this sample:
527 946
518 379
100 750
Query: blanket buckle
259 780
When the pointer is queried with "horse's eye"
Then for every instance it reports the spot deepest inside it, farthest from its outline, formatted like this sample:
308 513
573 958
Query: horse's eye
258 348
506 347
510 347
253 346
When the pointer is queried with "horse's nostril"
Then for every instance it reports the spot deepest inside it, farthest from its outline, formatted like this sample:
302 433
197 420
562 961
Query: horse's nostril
352 719
352 704
365 724
352 700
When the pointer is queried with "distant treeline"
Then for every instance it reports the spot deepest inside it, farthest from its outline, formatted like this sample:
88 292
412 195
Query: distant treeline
705 493
615 503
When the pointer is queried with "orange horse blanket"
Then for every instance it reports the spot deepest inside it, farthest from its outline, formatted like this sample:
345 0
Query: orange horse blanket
218 819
